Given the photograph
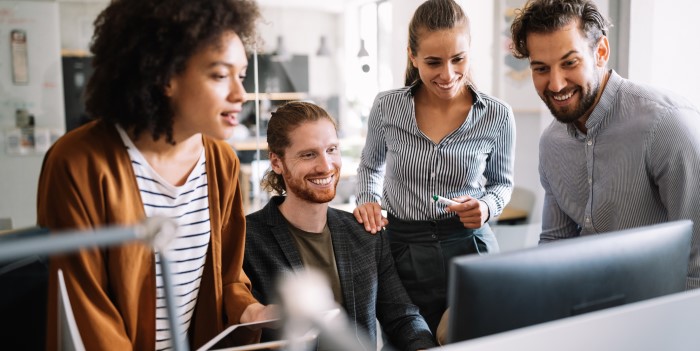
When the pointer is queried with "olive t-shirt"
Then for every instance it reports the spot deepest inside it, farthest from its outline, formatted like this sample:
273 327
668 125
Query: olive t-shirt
316 250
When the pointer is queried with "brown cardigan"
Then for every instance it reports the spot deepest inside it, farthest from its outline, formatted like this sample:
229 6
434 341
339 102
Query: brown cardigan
87 181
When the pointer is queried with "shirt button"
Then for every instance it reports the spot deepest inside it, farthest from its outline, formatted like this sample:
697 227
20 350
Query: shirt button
590 142
590 180
434 236
588 219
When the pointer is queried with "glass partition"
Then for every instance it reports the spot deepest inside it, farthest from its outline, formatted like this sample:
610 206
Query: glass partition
334 57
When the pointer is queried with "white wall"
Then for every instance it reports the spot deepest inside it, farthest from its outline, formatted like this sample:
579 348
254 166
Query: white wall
481 15
301 29
664 45
43 97
76 23
402 11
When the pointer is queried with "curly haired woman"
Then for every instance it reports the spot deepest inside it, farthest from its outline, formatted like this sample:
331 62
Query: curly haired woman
166 91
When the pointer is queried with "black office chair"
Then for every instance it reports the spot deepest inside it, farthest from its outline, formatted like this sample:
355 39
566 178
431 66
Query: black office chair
23 296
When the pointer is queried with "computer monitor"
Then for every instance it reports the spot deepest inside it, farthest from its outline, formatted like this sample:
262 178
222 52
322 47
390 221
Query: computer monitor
496 293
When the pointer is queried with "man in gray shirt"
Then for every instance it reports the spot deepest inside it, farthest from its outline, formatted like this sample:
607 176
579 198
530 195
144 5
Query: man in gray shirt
621 154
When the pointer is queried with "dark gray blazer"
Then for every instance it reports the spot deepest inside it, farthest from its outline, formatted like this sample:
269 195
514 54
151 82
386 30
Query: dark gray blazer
371 287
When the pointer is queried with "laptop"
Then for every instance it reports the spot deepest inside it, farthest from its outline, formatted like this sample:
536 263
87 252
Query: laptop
272 329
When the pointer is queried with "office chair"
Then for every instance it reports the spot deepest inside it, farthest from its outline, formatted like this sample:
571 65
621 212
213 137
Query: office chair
68 335
23 295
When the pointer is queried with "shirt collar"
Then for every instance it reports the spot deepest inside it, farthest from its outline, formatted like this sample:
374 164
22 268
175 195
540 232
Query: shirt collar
602 108
477 95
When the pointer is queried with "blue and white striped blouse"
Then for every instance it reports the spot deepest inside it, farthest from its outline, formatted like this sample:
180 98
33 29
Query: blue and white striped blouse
403 167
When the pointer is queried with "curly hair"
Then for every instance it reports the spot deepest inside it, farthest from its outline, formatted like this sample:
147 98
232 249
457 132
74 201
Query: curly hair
546 16
431 16
283 122
139 45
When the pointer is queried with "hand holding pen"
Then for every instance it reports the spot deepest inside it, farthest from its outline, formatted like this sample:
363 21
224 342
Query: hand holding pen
472 213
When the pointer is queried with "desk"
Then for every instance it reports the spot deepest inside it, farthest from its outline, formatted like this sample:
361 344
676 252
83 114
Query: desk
511 215
663 323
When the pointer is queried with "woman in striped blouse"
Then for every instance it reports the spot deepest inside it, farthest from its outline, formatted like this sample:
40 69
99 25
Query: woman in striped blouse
438 135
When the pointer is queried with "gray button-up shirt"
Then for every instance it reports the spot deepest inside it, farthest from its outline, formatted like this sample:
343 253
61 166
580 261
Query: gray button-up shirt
638 164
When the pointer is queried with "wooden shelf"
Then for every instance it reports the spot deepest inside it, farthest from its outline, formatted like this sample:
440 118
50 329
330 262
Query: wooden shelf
249 144
75 53
277 96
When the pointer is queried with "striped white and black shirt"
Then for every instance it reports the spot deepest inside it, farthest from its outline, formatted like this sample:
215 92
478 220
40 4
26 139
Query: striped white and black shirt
189 206
638 164
404 168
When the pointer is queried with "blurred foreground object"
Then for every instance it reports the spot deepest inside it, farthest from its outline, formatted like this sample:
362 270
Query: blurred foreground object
307 303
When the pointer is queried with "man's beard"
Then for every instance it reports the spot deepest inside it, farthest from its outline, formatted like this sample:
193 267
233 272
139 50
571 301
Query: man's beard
569 114
303 192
